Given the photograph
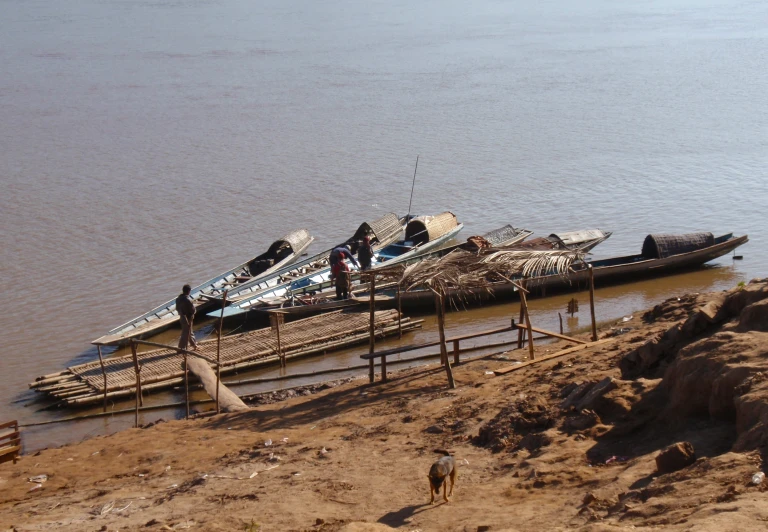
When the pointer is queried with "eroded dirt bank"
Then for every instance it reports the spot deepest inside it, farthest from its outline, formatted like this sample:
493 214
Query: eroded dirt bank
567 443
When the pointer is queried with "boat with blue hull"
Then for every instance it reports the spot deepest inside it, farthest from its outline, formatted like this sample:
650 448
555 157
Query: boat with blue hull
317 298
422 234
382 232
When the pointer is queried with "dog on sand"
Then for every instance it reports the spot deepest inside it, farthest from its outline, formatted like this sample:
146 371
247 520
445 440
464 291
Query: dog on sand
438 475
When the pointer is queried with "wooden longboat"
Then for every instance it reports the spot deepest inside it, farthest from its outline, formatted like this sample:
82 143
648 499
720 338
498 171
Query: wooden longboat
314 270
382 232
317 298
422 234
282 252
661 254
584 240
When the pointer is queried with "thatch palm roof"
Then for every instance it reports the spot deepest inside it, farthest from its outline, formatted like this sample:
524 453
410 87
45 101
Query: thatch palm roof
462 270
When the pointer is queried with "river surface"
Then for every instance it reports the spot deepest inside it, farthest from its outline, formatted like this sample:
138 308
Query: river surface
145 144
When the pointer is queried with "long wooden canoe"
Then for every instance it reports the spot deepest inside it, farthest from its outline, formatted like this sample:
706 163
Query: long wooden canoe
317 298
422 234
661 254
282 252
430 231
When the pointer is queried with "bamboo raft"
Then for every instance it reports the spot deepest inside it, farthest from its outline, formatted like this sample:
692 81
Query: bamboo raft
163 368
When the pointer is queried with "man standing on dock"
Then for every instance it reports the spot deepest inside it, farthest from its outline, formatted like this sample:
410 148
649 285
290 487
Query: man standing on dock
186 309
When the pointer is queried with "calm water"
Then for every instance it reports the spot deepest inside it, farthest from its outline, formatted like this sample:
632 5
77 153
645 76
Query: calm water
144 144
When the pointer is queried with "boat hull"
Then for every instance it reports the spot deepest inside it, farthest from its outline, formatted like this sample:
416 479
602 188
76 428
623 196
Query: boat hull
165 316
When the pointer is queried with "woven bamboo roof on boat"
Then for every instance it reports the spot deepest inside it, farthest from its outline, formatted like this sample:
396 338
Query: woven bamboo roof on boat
502 234
660 246
385 230
427 228
296 239
571 238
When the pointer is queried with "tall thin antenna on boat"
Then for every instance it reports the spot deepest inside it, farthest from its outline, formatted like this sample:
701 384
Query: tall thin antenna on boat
412 187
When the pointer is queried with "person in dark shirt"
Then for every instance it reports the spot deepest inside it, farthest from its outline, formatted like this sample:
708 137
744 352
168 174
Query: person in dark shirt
339 254
365 254
186 308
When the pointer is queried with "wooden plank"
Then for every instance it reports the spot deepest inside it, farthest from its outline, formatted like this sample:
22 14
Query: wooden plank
564 352
554 334
9 436
7 424
413 347
9 451
478 334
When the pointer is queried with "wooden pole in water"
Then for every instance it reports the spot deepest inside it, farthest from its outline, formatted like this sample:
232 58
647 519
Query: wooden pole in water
399 314
372 337
218 351
104 373
521 332
592 301
439 304
524 306
278 320
137 369
561 322
186 385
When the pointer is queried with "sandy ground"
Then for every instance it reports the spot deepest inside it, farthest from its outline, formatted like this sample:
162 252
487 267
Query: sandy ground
565 443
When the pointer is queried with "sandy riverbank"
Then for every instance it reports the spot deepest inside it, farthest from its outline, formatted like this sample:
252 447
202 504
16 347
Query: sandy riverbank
566 443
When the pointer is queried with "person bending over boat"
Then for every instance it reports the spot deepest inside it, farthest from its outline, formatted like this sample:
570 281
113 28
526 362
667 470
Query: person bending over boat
365 254
186 309
339 254
340 272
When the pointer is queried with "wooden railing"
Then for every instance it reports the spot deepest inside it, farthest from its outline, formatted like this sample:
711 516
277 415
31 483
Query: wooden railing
10 442
455 340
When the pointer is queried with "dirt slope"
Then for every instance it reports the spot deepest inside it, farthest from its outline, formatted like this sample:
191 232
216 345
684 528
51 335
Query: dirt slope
567 443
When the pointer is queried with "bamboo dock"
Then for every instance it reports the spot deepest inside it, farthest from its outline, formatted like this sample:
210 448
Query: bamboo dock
163 368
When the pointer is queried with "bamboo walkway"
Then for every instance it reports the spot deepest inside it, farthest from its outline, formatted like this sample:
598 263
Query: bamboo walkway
84 384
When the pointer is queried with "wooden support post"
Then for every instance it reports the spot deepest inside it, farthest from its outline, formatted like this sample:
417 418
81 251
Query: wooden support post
521 332
440 304
561 322
186 386
104 373
399 314
218 351
524 305
372 337
275 320
455 352
592 301
137 369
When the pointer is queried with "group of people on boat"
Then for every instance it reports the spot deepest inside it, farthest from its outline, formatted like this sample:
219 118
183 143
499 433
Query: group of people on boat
340 269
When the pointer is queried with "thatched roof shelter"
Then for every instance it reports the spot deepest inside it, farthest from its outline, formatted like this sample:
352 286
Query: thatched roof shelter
462 270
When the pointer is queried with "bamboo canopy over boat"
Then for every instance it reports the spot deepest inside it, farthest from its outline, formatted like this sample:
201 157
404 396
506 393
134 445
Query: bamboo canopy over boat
660 246
384 230
462 270
427 228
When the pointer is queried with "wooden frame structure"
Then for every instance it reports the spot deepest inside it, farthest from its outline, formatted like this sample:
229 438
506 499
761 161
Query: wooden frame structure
472 271
10 442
